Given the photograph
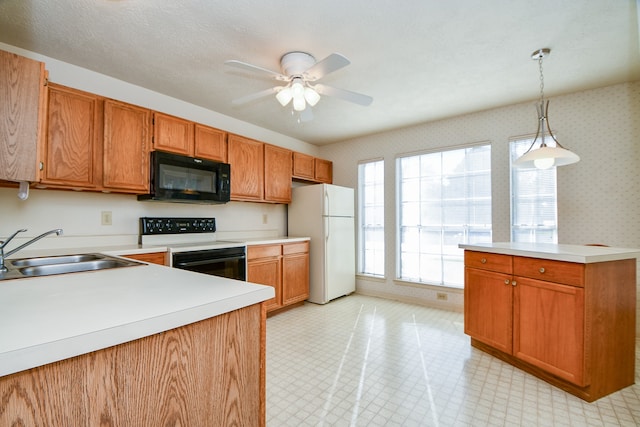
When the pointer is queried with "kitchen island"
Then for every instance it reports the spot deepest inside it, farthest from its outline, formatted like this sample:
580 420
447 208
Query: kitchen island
119 346
564 313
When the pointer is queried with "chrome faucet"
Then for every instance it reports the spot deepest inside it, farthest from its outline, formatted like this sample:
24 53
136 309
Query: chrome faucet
3 255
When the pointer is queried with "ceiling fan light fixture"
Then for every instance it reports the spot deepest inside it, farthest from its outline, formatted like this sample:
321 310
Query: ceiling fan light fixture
311 96
298 103
544 157
284 96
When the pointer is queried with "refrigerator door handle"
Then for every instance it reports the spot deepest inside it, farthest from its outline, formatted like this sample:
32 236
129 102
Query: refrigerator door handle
326 202
326 229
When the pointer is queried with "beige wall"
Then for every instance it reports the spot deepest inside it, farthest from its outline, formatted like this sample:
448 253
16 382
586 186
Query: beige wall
599 197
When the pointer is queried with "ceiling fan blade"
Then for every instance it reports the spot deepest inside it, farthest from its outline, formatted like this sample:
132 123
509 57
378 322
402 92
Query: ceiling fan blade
254 68
255 96
331 63
344 94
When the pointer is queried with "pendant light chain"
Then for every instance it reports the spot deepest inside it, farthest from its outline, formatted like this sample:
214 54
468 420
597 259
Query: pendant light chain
541 78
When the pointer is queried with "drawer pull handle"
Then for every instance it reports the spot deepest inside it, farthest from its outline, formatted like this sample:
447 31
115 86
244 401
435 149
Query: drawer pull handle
506 281
541 270
483 260
513 283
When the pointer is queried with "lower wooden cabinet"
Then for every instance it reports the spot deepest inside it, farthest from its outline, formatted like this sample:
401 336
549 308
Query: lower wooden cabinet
571 324
152 258
283 266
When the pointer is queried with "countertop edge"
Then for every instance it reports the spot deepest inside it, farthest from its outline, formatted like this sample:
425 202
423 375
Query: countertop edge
49 352
568 253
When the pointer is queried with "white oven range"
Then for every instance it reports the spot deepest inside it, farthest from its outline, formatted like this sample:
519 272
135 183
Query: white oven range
193 246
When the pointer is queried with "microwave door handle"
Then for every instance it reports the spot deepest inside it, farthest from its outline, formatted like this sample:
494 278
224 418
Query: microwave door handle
209 261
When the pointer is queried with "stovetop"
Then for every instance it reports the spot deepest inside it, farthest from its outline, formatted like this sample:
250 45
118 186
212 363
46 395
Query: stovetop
182 234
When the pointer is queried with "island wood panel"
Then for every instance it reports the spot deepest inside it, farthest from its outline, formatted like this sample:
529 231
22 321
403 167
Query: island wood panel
203 374
600 313
22 110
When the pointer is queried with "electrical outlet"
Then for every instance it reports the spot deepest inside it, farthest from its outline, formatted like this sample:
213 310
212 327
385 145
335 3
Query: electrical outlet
265 218
441 296
106 218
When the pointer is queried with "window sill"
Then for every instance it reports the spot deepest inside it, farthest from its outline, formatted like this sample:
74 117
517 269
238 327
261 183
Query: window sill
371 278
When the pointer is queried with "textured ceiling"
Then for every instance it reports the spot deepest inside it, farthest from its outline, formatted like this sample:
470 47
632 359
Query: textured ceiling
420 60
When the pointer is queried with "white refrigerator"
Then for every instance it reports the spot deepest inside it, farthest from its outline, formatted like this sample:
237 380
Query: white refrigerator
325 213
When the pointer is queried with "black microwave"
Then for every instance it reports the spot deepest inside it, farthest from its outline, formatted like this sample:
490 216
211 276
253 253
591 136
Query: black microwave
183 179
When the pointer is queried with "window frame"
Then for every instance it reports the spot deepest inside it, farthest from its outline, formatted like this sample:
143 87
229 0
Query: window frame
445 258
361 264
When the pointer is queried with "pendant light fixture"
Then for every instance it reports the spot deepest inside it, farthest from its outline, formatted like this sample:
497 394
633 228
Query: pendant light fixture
544 157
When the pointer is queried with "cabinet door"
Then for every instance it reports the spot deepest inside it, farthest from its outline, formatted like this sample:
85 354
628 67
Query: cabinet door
295 272
267 271
22 105
153 258
304 166
172 134
210 143
246 157
488 302
70 154
324 171
126 147
549 328
277 171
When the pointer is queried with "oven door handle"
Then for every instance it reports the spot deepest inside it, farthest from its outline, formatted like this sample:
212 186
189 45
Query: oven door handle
209 261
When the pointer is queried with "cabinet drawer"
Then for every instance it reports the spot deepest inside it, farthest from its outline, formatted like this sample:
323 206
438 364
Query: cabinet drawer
295 248
568 273
263 251
488 261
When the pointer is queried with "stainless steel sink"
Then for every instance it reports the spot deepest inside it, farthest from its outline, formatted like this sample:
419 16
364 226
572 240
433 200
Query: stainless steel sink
47 266
66 259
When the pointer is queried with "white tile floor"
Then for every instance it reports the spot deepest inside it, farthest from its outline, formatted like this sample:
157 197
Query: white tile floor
363 361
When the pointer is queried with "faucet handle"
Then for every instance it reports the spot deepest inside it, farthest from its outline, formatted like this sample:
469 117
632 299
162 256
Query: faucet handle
3 244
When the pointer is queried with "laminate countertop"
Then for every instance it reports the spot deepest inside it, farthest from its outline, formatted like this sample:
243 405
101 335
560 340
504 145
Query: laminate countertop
46 319
571 253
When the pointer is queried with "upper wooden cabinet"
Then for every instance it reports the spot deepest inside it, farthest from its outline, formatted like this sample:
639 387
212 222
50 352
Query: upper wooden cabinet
304 166
309 168
188 138
172 134
246 157
210 143
127 140
277 172
324 171
71 155
22 104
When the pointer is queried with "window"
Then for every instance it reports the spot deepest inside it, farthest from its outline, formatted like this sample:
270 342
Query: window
444 198
534 212
371 218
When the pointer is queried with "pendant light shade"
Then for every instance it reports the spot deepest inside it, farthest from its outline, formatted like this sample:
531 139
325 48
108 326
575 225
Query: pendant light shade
545 156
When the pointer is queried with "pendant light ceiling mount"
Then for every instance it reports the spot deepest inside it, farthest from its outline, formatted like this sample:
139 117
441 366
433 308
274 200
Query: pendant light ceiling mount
544 157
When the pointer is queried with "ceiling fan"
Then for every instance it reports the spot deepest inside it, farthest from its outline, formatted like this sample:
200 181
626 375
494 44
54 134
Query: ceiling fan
299 72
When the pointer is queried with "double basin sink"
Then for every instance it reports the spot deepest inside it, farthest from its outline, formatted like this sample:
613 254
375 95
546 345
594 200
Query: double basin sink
47 266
